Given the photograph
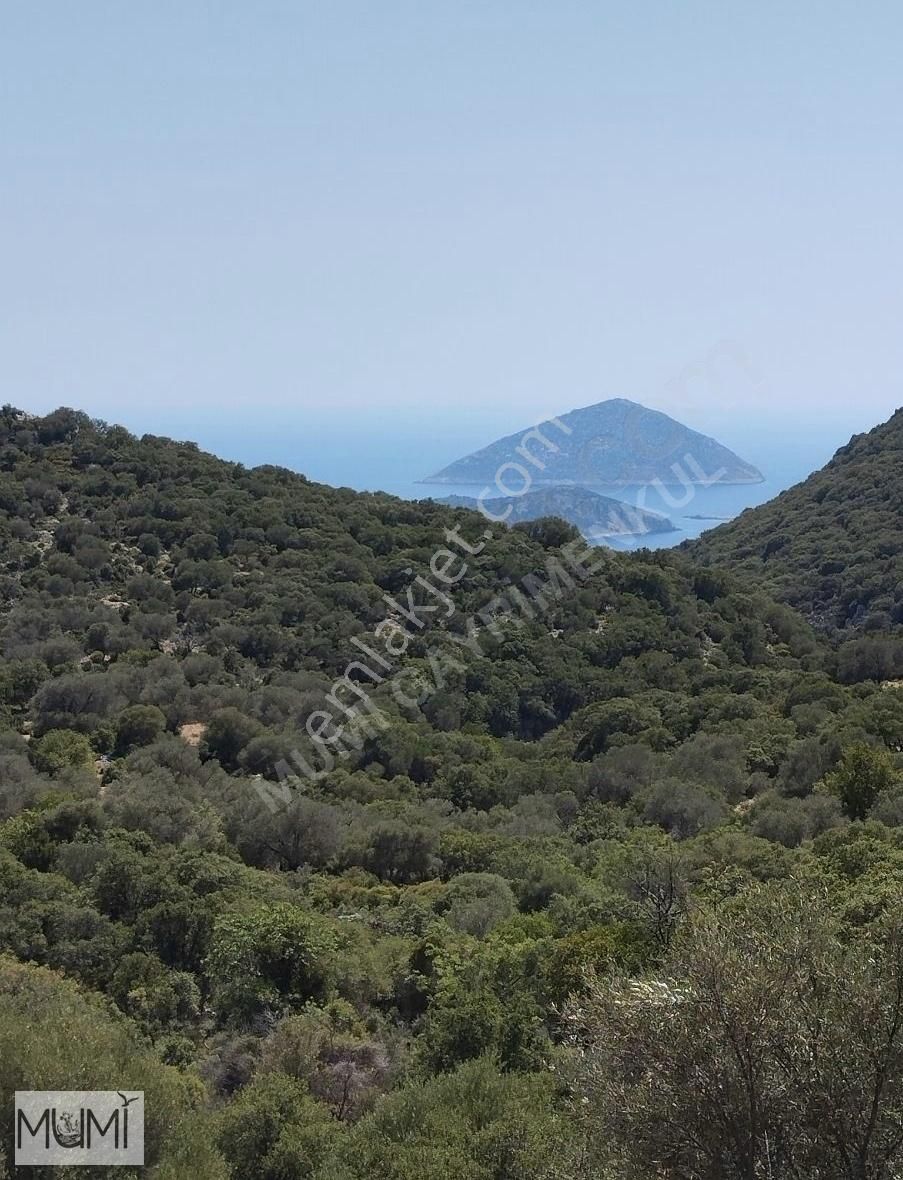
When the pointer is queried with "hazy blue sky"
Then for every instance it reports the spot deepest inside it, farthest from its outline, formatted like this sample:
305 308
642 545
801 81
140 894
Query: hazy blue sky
291 219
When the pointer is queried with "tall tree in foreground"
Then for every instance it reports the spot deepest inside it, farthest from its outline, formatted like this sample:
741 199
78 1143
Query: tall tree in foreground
769 1048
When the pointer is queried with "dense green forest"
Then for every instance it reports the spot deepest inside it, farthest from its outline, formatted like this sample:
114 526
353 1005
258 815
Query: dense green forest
609 889
832 547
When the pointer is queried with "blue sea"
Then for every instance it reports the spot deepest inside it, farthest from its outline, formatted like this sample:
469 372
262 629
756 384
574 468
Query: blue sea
392 457
376 453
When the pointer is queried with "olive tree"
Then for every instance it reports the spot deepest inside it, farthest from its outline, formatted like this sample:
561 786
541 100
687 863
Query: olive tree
770 1045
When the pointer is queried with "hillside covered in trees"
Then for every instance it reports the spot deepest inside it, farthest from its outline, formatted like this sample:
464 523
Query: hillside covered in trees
578 825
832 547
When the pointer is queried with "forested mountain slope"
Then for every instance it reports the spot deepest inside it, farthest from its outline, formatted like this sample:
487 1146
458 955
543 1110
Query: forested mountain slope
597 517
537 762
115 546
831 546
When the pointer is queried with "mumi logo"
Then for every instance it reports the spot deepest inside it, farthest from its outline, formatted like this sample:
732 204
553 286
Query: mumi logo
79 1127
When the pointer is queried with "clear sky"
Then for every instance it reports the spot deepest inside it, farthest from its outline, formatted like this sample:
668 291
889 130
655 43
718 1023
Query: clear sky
282 220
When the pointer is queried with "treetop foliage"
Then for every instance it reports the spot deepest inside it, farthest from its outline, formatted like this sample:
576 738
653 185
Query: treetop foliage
624 790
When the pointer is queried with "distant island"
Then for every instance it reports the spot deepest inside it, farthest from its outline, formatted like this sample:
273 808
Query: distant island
596 516
614 443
